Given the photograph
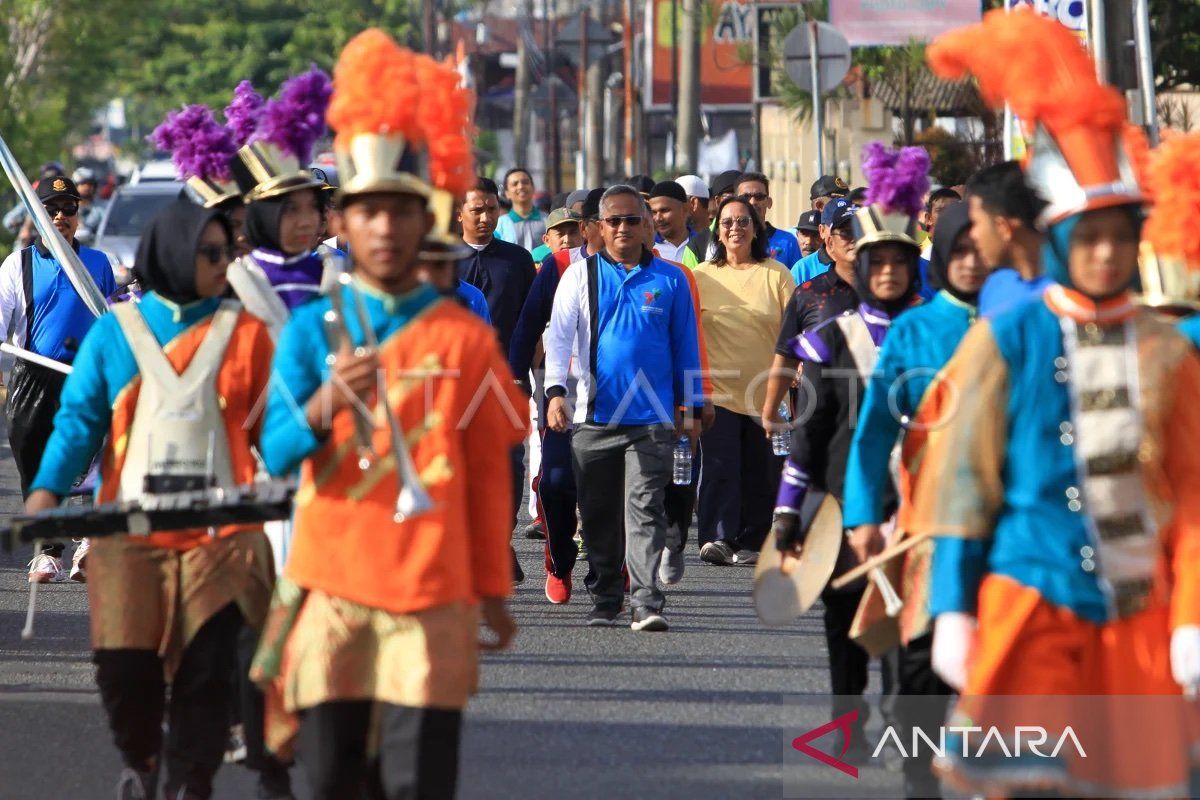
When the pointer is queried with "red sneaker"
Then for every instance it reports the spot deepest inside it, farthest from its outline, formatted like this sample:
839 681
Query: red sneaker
558 590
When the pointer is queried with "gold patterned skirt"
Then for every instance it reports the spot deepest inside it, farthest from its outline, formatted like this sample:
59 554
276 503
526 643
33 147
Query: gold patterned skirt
154 598
317 648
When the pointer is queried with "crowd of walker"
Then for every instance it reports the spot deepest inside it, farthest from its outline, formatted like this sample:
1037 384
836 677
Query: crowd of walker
994 386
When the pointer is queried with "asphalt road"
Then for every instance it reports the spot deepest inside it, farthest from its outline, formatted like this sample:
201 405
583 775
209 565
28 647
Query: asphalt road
570 712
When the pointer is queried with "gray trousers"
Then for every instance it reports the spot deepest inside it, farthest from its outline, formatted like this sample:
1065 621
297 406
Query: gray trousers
623 467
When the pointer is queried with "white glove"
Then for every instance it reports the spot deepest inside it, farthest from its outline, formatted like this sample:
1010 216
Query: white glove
1185 656
953 641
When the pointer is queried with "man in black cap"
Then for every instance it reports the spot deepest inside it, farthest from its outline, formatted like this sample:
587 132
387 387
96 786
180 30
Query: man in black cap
41 311
643 183
818 261
593 241
808 233
824 189
673 238
722 186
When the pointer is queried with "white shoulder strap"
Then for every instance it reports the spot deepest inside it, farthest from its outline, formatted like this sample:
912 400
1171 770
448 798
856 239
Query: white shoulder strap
212 350
862 346
152 362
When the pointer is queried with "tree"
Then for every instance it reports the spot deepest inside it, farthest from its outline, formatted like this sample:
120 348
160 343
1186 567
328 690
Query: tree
196 52
1175 40
55 62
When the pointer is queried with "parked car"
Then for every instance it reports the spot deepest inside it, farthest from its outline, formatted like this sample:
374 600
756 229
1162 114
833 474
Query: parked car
156 171
130 209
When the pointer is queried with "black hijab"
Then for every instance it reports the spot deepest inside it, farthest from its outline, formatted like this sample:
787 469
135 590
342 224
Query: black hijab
953 221
262 223
862 275
166 259
263 218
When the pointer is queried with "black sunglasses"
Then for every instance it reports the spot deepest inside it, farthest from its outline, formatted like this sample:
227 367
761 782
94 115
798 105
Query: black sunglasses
67 209
214 253
632 220
756 196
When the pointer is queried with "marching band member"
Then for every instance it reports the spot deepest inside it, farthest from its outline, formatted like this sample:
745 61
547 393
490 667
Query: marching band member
1171 249
918 345
886 275
378 655
171 380
1064 493
203 152
285 201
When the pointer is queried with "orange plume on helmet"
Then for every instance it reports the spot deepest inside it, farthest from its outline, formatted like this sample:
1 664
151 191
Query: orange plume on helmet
389 106
374 89
445 112
1174 222
1042 70
1034 64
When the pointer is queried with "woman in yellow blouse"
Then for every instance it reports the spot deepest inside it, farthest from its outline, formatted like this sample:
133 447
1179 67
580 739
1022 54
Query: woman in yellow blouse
743 294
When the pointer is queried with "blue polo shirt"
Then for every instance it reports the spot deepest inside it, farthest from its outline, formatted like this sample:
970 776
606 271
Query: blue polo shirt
635 336
60 318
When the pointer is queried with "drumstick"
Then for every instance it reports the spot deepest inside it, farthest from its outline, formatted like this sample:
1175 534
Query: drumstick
891 601
27 631
878 561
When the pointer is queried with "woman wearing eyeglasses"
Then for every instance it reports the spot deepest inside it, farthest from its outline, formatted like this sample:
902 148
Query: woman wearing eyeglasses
159 378
743 295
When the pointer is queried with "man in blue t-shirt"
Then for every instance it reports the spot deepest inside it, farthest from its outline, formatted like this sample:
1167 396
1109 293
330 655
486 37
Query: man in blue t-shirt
41 312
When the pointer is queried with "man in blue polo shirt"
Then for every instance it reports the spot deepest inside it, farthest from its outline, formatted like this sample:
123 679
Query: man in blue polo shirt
630 321
41 312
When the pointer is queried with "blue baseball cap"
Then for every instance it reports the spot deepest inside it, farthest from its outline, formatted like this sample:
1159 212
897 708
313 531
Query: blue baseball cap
837 212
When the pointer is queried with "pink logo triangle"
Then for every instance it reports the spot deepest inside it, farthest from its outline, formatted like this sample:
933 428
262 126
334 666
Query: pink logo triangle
842 723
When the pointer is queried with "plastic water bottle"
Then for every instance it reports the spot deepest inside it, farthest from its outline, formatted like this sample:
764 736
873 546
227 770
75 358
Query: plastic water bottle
681 473
781 441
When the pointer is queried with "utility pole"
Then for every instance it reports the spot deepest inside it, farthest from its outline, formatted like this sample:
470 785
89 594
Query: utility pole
627 20
553 168
687 124
1141 38
428 32
581 172
819 100
521 95
593 149
674 76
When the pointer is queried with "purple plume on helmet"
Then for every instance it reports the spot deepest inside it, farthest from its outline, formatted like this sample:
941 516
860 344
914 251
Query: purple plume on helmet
244 113
897 180
295 120
199 146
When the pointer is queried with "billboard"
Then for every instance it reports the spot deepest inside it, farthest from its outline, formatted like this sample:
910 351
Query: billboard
1072 14
867 23
726 51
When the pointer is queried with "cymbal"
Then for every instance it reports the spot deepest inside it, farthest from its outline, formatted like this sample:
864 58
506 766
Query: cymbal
785 586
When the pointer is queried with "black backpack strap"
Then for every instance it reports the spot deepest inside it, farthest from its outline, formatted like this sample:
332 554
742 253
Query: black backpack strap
27 285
